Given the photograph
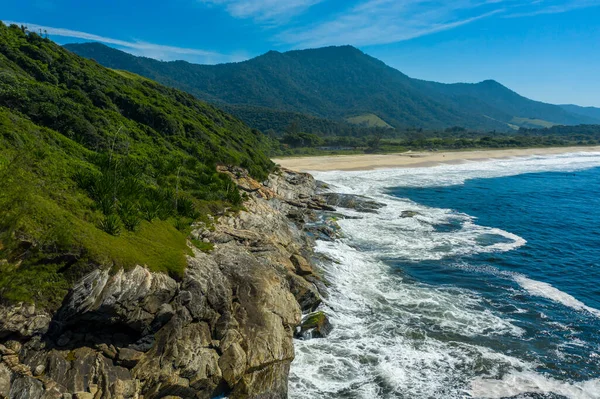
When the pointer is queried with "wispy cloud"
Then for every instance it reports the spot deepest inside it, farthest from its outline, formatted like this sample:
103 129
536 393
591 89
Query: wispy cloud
265 11
387 21
141 48
551 7
374 22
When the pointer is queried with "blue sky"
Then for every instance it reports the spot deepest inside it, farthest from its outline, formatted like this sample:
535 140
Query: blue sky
548 50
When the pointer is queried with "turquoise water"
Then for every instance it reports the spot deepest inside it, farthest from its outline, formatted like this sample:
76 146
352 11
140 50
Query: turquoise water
492 290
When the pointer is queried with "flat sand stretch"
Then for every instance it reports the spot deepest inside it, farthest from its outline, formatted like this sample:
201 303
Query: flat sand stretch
413 159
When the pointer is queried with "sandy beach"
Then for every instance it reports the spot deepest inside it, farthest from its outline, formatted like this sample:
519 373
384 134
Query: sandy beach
413 159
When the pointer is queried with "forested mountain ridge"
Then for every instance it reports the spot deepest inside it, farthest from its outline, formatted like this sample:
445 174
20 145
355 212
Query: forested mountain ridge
337 83
103 167
500 102
590 112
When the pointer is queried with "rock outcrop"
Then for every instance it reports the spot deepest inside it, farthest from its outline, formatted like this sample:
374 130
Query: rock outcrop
225 328
315 325
357 202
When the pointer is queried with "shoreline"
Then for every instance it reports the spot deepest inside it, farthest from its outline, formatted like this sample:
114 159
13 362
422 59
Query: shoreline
411 159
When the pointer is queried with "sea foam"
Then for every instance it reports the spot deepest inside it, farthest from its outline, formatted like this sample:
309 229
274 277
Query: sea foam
395 338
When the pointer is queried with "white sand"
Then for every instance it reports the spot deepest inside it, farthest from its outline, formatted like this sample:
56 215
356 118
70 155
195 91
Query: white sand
413 159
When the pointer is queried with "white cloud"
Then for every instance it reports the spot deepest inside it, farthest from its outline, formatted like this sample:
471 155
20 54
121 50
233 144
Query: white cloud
141 48
271 11
374 22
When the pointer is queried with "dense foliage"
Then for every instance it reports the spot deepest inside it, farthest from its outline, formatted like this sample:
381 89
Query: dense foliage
103 168
338 83
455 138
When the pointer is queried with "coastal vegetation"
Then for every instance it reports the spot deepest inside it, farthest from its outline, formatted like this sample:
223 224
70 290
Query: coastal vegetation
456 138
102 168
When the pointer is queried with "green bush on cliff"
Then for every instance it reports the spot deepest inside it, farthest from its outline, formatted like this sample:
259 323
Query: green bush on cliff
102 168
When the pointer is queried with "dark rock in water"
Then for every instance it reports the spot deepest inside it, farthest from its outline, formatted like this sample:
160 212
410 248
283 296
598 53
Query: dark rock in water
322 187
535 395
350 201
316 325
409 214
327 229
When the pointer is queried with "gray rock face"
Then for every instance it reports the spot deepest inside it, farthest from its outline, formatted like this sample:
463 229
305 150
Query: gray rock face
351 201
23 320
226 328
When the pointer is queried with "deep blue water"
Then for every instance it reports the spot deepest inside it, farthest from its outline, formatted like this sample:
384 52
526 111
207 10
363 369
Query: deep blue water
549 287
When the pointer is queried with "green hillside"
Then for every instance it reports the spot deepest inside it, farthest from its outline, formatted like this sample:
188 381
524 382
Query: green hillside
337 83
103 169
368 120
532 123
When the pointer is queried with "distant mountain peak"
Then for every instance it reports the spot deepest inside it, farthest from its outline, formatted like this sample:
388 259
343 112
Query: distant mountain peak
339 82
491 82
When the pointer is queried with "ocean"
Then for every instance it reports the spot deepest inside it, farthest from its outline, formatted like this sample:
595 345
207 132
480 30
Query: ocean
490 288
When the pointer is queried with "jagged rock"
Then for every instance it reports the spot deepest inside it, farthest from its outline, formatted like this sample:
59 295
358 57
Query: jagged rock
326 229
39 370
14 346
357 202
5 378
108 350
225 327
305 293
233 364
303 268
26 388
24 320
129 358
315 325
291 185
132 298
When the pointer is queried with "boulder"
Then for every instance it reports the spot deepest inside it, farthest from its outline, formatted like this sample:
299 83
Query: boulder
315 325
303 268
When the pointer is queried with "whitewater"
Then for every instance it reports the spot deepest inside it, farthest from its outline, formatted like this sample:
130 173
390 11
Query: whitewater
397 335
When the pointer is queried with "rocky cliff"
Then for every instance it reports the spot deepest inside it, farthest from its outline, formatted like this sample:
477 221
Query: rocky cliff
225 329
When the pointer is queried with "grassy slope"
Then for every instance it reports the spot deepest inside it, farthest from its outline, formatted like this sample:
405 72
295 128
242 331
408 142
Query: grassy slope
370 120
103 169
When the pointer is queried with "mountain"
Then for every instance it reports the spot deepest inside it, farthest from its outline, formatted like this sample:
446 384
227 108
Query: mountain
501 103
338 83
589 112
104 168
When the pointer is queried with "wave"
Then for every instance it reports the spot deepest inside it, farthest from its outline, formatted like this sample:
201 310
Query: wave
388 335
403 339
519 383
534 287
545 290
373 181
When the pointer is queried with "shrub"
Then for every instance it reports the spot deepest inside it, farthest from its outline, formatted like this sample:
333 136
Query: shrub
111 224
